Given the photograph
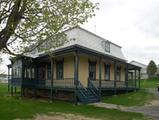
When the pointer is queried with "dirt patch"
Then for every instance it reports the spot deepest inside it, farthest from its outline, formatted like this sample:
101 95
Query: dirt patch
110 106
60 116
153 103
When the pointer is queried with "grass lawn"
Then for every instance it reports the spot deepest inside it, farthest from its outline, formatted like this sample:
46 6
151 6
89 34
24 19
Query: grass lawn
14 107
138 98
150 83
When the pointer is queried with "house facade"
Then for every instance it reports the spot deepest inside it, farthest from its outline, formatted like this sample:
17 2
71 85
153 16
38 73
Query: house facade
81 71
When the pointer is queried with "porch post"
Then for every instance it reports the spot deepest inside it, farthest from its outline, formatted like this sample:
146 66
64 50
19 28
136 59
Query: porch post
12 83
115 77
100 76
135 79
126 76
23 72
76 64
52 77
35 78
139 77
8 78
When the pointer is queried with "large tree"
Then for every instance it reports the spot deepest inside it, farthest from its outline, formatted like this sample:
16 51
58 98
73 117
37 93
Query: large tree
151 69
25 23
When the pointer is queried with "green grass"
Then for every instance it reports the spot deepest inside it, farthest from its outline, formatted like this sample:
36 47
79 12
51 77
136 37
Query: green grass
15 107
149 83
138 98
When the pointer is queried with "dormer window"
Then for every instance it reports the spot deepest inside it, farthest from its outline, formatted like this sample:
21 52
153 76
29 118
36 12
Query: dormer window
107 46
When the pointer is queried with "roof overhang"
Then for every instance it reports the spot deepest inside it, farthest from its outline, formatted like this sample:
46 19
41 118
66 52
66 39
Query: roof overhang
81 49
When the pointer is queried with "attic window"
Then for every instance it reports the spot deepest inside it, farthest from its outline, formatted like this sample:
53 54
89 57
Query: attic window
107 46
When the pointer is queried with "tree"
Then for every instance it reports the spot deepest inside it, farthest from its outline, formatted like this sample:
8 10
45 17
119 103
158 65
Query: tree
151 69
25 23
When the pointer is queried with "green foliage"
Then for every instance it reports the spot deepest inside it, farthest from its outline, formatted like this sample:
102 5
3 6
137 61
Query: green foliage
138 98
151 69
14 107
32 22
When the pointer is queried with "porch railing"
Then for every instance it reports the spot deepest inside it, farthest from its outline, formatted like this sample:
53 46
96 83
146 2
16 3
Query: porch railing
93 88
111 83
61 83
28 82
15 81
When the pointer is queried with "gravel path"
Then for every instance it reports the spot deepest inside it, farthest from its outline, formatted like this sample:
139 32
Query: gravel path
152 109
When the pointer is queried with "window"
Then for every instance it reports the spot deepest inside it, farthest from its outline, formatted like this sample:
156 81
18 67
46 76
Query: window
59 70
25 73
107 46
49 71
33 73
118 74
107 72
92 70
29 73
17 72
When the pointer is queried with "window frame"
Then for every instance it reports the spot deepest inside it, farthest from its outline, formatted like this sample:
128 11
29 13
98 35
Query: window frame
107 67
107 46
61 62
91 70
49 71
118 72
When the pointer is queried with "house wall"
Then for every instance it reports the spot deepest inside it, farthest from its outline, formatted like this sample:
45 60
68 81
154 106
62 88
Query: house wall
122 72
84 69
68 67
17 69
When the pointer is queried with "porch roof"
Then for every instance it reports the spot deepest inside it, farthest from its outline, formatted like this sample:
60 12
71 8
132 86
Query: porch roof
81 49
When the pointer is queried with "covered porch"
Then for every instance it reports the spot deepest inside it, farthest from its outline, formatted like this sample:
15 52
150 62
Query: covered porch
73 68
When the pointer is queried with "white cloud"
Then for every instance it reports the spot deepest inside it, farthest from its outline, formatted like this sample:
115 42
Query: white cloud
133 24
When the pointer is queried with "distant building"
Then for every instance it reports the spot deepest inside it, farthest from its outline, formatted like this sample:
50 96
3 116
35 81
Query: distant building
3 78
144 74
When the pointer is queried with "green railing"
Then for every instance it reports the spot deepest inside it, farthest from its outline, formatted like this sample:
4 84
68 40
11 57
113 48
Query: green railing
113 83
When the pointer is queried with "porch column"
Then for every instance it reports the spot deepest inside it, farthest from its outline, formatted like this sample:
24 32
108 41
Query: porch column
135 80
52 78
139 77
12 82
8 78
76 65
100 76
126 76
23 72
115 71
35 78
